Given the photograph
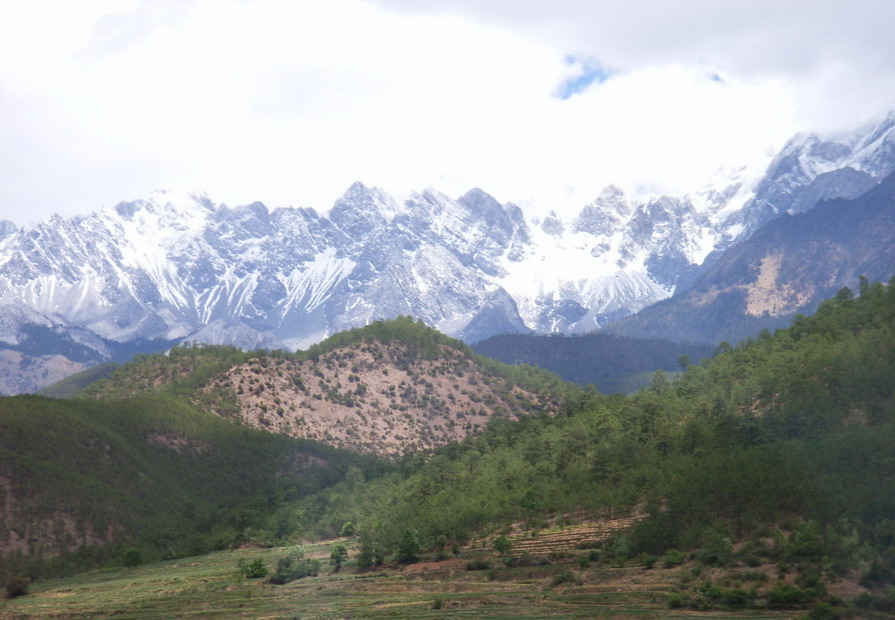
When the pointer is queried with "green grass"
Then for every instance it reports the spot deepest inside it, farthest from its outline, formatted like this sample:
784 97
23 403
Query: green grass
210 587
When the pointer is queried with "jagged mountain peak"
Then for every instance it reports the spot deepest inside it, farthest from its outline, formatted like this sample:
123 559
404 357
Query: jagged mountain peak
363 208
505 220
787 266
867 149
812 167
880 131
613 197
483 204
665 208
7 228
162 202
477 196
255 211
605 213
552 225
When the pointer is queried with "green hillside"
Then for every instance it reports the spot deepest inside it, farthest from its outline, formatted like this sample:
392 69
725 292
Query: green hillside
779 450
80 481
763 477
138 459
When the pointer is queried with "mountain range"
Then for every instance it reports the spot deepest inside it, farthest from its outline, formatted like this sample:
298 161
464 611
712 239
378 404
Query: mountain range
148 273
787 267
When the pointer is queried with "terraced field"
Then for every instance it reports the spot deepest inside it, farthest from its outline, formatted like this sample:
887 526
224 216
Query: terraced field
210 587
571 537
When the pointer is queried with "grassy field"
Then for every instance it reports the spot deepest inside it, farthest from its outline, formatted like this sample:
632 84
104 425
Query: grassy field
210 586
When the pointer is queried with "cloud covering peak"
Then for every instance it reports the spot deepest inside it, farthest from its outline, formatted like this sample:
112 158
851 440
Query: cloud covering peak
539 103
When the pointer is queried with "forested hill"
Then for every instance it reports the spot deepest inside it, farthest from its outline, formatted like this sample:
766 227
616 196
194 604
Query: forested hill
611 363
791 432
390 388
772 458
82 481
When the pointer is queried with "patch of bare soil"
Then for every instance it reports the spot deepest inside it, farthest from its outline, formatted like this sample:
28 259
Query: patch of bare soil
767 295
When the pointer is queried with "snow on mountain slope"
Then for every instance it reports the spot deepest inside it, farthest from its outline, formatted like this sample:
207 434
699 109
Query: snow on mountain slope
811 168
181 266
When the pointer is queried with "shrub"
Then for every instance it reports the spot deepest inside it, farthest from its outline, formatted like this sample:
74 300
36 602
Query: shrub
502 545
566 576
478 565
370 553
716 549
294 566
823 611
618 548
409 547
785 595
132 557
675 601
347 529
736 598
440 543
522 560
338 555
254 570
17 586
672 558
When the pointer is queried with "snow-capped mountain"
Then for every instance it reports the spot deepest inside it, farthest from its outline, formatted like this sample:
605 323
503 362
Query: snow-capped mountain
174 267
811 168
788 266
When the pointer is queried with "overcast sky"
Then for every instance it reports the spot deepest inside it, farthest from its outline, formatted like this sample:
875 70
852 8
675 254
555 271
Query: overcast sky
539 102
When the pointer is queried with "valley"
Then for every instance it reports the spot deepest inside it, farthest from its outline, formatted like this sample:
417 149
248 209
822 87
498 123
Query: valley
447 309
758 483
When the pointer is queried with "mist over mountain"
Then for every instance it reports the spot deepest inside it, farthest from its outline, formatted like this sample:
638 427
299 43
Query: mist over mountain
174 267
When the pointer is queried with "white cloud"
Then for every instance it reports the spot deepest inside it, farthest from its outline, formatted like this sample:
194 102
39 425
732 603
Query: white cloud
288 102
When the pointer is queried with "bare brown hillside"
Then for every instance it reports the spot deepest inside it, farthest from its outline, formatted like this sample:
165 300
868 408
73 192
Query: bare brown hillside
371 396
